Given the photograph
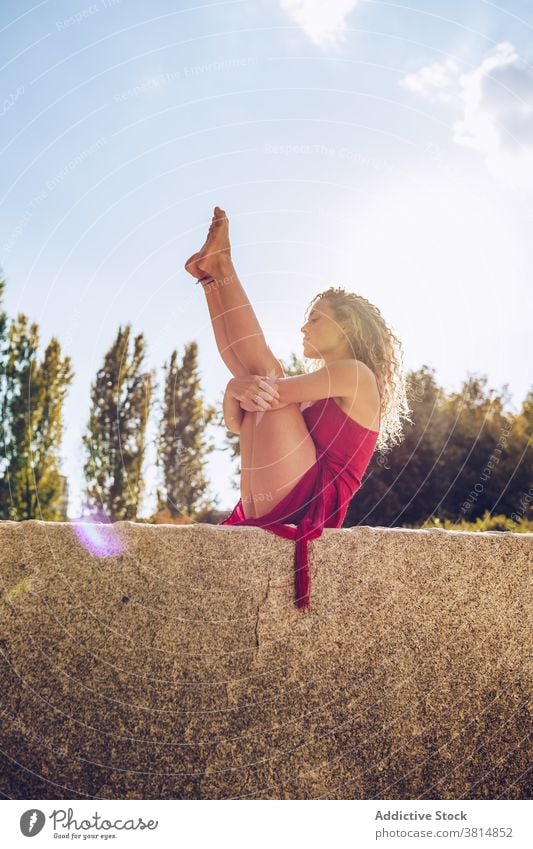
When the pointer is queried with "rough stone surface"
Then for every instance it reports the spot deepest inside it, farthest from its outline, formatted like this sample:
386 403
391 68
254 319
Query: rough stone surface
180 668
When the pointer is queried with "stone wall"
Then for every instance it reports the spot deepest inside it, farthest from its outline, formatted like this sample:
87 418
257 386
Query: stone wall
169 662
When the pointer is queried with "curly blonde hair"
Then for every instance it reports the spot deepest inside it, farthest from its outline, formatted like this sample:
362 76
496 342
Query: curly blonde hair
373 343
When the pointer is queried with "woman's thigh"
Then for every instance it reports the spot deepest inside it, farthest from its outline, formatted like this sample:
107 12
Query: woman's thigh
276 451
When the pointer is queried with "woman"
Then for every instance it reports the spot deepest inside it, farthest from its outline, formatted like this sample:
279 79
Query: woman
301 462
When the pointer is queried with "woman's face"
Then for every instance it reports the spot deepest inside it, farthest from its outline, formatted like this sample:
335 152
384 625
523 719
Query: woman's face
323 334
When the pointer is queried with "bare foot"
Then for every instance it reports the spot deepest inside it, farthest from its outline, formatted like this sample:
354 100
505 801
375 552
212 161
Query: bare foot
207 262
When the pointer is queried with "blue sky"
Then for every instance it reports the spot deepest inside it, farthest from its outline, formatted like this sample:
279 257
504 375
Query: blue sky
386 147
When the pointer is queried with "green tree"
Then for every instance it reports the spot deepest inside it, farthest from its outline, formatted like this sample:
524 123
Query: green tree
53 378
472 438
182 448
115 439
31 403
3 315
514 472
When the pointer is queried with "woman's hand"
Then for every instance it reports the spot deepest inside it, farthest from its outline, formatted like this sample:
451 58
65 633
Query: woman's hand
254 392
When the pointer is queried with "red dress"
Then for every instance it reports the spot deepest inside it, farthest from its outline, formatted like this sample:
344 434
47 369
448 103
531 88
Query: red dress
321 497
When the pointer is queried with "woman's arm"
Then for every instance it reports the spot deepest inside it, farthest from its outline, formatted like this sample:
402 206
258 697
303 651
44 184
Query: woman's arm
341 378
233 414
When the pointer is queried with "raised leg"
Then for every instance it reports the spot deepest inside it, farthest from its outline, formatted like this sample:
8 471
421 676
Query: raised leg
243 331
218 322
276 447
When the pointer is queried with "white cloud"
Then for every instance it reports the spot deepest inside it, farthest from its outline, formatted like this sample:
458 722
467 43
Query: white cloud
323 21
496 100
436 82
498 115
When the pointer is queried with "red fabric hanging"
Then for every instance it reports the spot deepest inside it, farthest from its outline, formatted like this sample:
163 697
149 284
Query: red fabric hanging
321 497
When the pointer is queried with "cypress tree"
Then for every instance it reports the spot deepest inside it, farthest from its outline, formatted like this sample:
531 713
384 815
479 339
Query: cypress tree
181 444
31 403
115 439
53 378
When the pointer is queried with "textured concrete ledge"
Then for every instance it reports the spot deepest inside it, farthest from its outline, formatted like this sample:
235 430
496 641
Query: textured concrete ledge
174 664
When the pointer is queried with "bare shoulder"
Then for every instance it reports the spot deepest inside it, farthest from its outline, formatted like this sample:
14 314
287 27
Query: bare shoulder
364 378
364 404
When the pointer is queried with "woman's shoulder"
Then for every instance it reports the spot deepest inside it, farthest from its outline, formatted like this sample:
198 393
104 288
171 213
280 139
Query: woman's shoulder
368 379
365 375
364 405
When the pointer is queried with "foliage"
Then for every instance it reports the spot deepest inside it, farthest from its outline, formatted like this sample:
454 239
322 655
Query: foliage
32 395
181 446
115 439
487 522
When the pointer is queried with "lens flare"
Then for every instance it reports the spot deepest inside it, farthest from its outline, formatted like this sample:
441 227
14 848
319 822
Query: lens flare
98 535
